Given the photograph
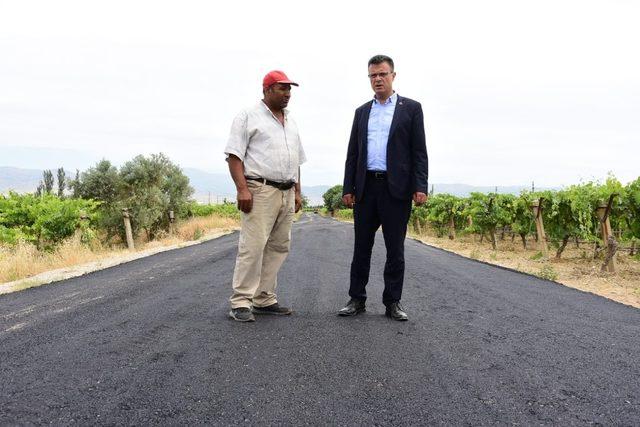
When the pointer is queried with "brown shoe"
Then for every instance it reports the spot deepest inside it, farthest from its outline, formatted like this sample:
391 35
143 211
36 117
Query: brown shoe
276 309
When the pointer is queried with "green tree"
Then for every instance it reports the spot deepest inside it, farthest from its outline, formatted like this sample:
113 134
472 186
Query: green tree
74 185
62 182
333 199
175 185
150 187
40 189
47 181
100 182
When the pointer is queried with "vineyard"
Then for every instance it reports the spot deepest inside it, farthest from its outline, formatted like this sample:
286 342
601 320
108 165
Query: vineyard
604 217
145 198
103 210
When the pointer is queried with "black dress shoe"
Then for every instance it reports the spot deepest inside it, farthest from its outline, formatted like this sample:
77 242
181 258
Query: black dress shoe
353 307
395 312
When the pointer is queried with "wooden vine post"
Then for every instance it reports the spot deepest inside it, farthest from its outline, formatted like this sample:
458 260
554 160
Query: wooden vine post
452 228
417 226
542 238
603 211
127 228
172 220
492 231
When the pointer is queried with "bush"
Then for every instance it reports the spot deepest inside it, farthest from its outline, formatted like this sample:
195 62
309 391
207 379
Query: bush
333 198
225 210
440 210
343 214
149 187
45 220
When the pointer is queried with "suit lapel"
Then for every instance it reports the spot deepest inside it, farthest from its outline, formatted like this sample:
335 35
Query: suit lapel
364 129
396 114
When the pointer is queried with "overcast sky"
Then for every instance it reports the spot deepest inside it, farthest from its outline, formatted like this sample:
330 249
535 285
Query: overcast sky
512 91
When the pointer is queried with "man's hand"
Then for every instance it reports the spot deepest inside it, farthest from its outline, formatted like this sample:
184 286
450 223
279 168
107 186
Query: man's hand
298 201
348 199
419 198
245 200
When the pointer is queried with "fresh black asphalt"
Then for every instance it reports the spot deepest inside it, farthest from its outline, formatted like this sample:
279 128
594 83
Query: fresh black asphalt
149 342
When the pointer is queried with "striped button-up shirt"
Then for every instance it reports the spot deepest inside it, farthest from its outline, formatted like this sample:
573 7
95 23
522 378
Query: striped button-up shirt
267 148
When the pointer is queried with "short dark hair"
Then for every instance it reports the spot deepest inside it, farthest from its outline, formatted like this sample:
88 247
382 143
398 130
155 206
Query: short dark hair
379 59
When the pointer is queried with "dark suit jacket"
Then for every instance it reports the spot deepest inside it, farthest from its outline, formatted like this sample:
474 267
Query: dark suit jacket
407 162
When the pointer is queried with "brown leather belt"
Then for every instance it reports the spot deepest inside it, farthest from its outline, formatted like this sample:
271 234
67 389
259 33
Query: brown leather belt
279 185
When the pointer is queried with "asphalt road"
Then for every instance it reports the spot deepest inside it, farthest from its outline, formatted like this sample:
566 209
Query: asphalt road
149 342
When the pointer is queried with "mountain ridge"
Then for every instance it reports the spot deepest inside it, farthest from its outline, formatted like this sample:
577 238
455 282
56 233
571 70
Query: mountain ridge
217 187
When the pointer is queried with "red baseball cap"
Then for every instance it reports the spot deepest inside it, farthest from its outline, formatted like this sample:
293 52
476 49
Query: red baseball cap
276 76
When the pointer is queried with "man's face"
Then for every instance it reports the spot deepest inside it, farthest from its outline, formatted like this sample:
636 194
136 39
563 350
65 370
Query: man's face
381 77
278 95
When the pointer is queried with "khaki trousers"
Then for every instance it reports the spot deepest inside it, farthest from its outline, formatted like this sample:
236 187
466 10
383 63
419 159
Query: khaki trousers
265 237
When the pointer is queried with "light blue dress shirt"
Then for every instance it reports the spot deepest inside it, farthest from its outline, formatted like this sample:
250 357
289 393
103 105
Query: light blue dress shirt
380 119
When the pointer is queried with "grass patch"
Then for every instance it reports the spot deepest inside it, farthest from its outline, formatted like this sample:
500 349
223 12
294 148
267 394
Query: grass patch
547 272
475 254
537 256
343 214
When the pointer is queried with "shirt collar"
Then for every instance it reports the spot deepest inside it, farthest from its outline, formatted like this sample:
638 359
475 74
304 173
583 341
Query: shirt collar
286 112
392 99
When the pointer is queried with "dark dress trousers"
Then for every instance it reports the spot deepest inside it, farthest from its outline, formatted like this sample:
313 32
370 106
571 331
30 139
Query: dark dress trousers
385 199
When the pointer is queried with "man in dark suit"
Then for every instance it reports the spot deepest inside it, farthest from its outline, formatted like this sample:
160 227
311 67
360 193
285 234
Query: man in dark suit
386 168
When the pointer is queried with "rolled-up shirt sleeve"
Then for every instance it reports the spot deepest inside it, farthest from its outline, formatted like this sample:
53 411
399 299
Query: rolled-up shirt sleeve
238 137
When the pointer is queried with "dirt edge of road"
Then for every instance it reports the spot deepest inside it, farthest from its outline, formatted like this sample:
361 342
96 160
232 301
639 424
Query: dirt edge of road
599 284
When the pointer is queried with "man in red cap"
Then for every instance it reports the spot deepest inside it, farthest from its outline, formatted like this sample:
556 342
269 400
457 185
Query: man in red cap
264 153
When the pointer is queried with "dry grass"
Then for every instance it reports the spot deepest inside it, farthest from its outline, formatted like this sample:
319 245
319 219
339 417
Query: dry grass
197 227
24 260
577 268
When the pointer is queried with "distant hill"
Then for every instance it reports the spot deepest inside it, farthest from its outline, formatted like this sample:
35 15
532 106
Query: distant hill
19 180
216 187
464 190
314 193
210 187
